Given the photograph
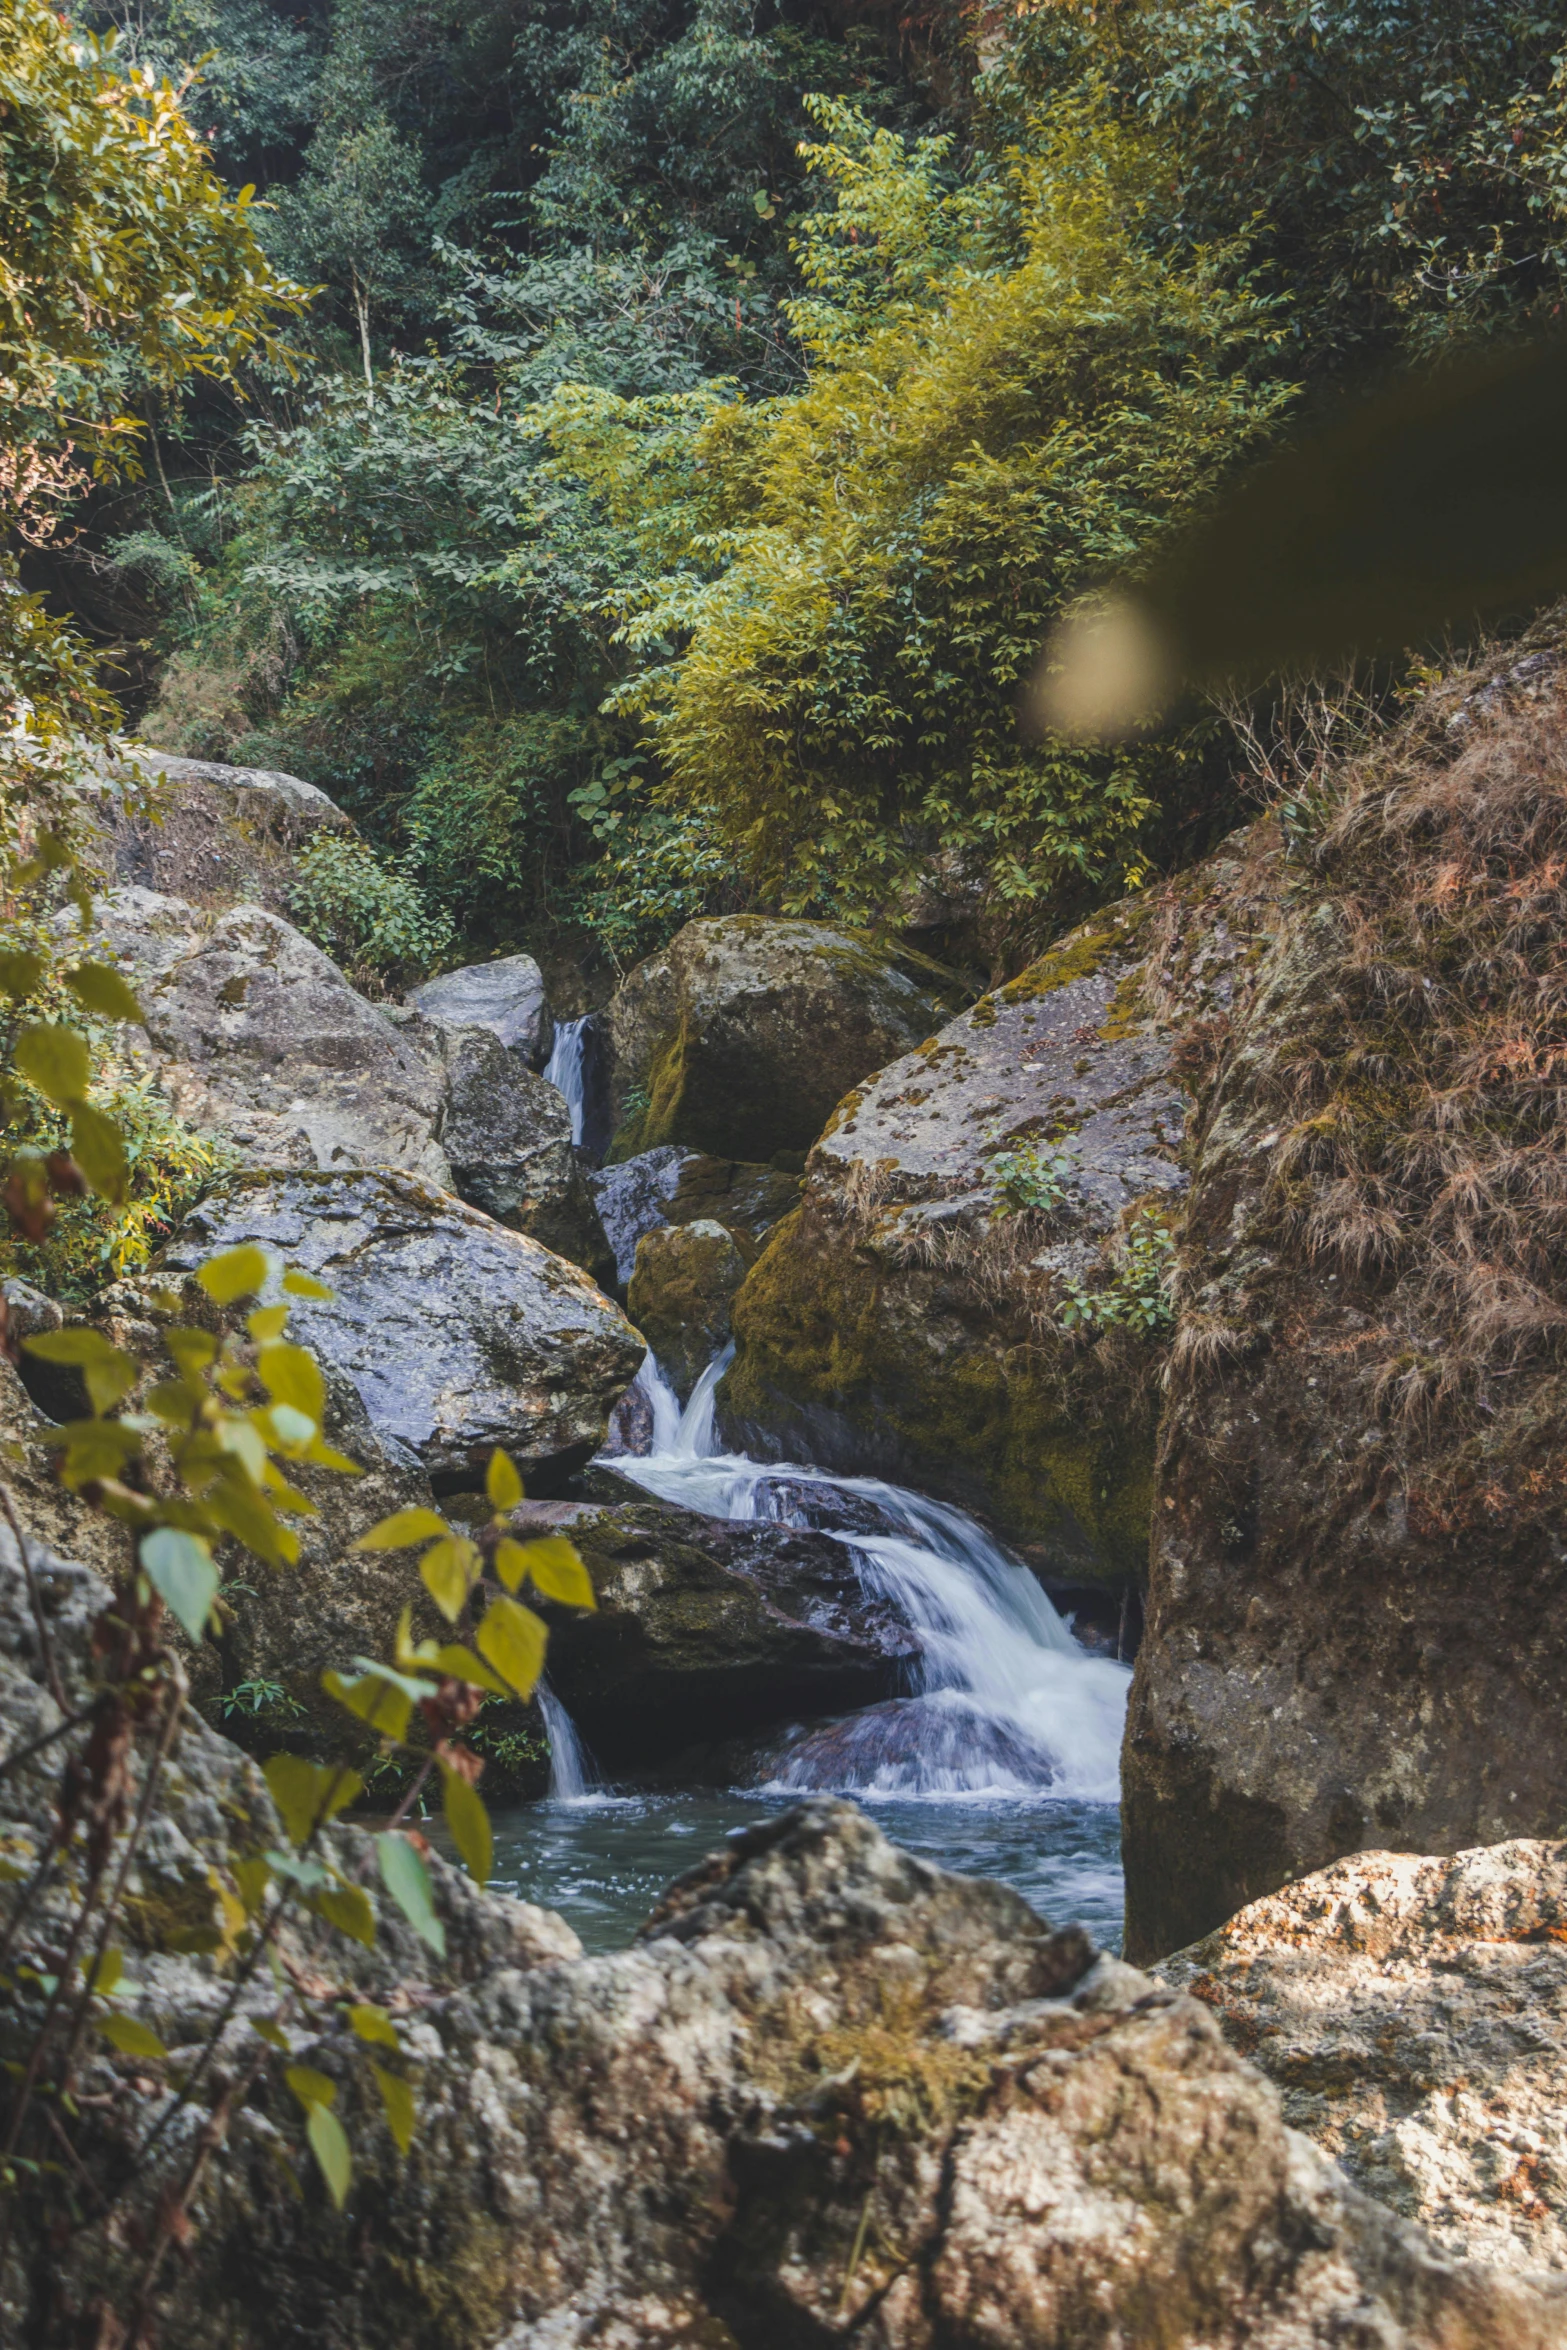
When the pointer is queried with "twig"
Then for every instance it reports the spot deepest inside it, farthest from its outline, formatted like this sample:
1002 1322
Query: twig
22 1754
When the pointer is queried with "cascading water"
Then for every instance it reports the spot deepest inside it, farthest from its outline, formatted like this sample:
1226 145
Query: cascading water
1007 1703
572 1776
565 1069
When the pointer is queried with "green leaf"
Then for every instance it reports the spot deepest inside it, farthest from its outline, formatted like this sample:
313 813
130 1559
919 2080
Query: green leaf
54 1059
21 974
502 1483
408 1881
307 1794
291 1375
103 989
402 1530
469 1823
107 1370
98 1148
129 2037
460 1664
94 1449
374 2024
238 1272
397 2099
252 1876
267 1322
373 1699
310 2086
350 1909
447 1570
192 1350
179 1567
555 1566
513 1639
300 1284
106 1973
273 2034
329 2145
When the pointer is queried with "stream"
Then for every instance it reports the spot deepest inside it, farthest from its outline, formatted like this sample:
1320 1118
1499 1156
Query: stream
1002 1761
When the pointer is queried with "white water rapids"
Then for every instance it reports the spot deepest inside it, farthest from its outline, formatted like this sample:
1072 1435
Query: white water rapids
564 1069
1006 1703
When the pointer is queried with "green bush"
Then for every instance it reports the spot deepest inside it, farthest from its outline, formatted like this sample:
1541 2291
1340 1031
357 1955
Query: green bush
370 918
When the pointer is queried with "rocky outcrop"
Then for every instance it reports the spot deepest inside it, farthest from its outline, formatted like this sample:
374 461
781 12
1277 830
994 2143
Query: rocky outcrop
456 1334
708 1631
738 1038
505 996
1413 2014
833 2093
259 1041
681 1292
670 1186
1357 1633
212 835
970 1297
507 1136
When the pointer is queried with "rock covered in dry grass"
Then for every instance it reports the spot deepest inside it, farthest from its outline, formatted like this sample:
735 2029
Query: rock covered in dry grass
1413 2014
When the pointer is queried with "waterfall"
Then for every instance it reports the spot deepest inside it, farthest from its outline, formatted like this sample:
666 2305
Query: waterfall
564 1068
1007 1702
571 1774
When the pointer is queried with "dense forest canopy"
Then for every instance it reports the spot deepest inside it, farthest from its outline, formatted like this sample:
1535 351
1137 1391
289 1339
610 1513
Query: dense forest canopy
705 408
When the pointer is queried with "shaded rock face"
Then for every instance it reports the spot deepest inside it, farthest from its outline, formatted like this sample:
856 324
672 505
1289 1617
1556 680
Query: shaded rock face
681 1291
457 1334
741 1035
259 1040
833 2094
506 996
1357 1625
507 1136
1413 2014
670 1186
225 834
907 1321
709 1631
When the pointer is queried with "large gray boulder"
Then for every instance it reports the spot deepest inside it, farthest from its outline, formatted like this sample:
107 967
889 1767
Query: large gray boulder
507 1136
506 996
457 1334
670 1186
680 1296
213 835
708 1631
921 1316
740 1035
833 2093
1413 2014
258 1039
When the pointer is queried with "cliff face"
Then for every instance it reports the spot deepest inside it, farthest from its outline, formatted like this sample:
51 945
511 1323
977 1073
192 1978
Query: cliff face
1356 1628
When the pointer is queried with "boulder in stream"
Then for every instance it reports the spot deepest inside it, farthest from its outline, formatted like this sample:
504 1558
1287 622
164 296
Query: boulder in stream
832 2093
738 1037
681 1291
670 1186
506 996
457 1334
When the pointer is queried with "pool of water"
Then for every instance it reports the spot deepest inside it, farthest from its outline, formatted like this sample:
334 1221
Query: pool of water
604 1861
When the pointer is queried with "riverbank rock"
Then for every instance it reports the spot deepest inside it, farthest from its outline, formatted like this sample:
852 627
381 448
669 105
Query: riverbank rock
670 1186
213 835
682 1289
259 1041
1413 2014
457 1334
507 1136
738 1038
833 2093
971 1297
708 1631
505 996
1357 1628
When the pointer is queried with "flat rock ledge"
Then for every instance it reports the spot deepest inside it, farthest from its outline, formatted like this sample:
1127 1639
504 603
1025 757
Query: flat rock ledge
1413 2014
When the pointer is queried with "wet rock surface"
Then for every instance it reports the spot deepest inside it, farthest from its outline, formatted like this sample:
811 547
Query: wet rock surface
505 996
457 1334
671 1186
741 1035
1413 2015
258 1039
710 1630
833 2093
907 1321
507 1137
680 1295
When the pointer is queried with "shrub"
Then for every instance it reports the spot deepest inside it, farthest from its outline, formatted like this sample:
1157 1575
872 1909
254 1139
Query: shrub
370 918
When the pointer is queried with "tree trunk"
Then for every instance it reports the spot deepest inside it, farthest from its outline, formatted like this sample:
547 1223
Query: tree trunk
362 312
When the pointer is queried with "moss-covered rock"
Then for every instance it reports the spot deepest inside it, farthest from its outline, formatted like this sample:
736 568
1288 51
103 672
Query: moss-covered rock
970 1294
741 1035
1357 1634
681 1291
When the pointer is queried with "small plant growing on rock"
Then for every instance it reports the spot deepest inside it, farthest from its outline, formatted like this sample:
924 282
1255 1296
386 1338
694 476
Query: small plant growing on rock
1029 1178
1137 1296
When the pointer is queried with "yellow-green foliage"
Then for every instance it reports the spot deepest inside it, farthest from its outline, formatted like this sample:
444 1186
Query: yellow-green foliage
1012 388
